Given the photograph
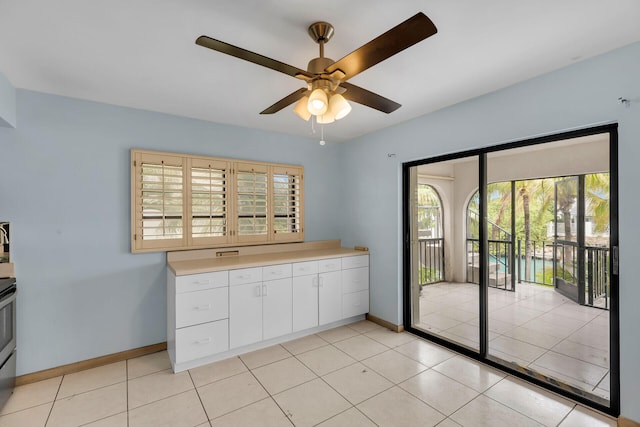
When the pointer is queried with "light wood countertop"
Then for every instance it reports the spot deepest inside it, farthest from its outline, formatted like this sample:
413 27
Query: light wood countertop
195 266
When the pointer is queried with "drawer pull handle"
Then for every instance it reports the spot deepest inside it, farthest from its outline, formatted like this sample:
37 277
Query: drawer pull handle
201 282
314 282
257 290
356 280
206 340
202 307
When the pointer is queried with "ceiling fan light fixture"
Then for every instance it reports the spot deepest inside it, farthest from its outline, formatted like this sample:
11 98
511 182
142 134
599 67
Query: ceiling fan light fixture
301 108
318 102
326 118
339 106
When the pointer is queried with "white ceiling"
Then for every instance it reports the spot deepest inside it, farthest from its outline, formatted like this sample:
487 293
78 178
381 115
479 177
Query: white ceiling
141 53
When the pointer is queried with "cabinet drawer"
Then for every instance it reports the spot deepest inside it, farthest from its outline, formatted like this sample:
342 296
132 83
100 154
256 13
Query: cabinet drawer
245 275
355 279
196 282
274 272
355 261
355 303
193 308
203 340
305 268
333 264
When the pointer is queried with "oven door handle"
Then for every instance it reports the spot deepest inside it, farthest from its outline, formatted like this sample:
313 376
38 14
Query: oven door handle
8 299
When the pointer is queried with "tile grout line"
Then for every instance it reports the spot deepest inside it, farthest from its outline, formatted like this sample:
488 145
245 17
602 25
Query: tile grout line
507 406
265 389
206 414
55 398
353 406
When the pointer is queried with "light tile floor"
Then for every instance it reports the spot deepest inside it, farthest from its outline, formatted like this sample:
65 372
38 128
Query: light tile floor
356 375
533 326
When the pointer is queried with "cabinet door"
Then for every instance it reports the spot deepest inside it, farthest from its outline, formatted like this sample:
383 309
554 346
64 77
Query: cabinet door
193 308
277 308
203 340
354 280
355 303
305 302
245 314
330 297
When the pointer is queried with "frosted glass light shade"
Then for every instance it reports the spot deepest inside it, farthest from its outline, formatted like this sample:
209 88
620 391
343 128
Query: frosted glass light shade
326 118
301 108
339 106
318 102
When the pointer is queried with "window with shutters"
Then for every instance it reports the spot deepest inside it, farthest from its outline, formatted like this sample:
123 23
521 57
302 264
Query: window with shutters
181 201
251 196
209 201
158 186
287 202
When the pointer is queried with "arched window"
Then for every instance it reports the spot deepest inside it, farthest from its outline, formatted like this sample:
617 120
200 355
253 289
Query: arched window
429 213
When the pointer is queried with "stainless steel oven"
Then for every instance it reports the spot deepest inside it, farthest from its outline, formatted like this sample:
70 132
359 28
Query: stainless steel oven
8 292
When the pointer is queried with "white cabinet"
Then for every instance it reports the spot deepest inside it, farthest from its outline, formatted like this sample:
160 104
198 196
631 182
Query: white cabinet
276 308
355 285
259 310
201 340
245 314
305 295
197 318
223 313
317 293
329 297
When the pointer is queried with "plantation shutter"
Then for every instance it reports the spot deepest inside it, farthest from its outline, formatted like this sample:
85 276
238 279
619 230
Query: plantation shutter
251 202
287 213
182 201
209 201
158 200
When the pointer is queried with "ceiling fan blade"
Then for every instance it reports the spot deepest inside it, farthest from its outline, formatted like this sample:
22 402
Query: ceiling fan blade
285 102
256 58
397 39
362 96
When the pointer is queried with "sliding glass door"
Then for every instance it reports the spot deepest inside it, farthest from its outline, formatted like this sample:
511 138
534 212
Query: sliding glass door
528 281
443 302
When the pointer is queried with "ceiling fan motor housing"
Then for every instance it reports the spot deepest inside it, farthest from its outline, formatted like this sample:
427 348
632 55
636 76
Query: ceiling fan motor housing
317 65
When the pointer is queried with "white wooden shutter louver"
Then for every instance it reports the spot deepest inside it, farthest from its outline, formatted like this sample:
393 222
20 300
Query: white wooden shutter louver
161 201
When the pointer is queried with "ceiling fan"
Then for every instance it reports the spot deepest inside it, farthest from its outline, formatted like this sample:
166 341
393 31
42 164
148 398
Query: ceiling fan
327 87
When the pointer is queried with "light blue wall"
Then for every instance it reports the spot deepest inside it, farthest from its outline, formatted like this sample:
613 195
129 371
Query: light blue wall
65 188
7 103
581 95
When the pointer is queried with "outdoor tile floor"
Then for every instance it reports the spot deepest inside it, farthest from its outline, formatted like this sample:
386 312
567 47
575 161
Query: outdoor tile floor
356 375
533 326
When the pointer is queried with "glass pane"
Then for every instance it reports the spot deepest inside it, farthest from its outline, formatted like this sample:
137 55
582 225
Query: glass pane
252 203
208 202
161 201
444 302
552 316
286 203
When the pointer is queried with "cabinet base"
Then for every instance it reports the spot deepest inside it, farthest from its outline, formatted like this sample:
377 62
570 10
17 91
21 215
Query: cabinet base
179 367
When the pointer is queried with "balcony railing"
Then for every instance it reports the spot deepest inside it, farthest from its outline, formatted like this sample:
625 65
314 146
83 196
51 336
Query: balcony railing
500 261
431 259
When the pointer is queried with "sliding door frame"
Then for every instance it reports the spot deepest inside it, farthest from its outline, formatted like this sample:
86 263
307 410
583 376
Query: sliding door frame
483 354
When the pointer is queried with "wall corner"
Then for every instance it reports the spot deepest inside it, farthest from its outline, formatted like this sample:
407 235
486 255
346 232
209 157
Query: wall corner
7 103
